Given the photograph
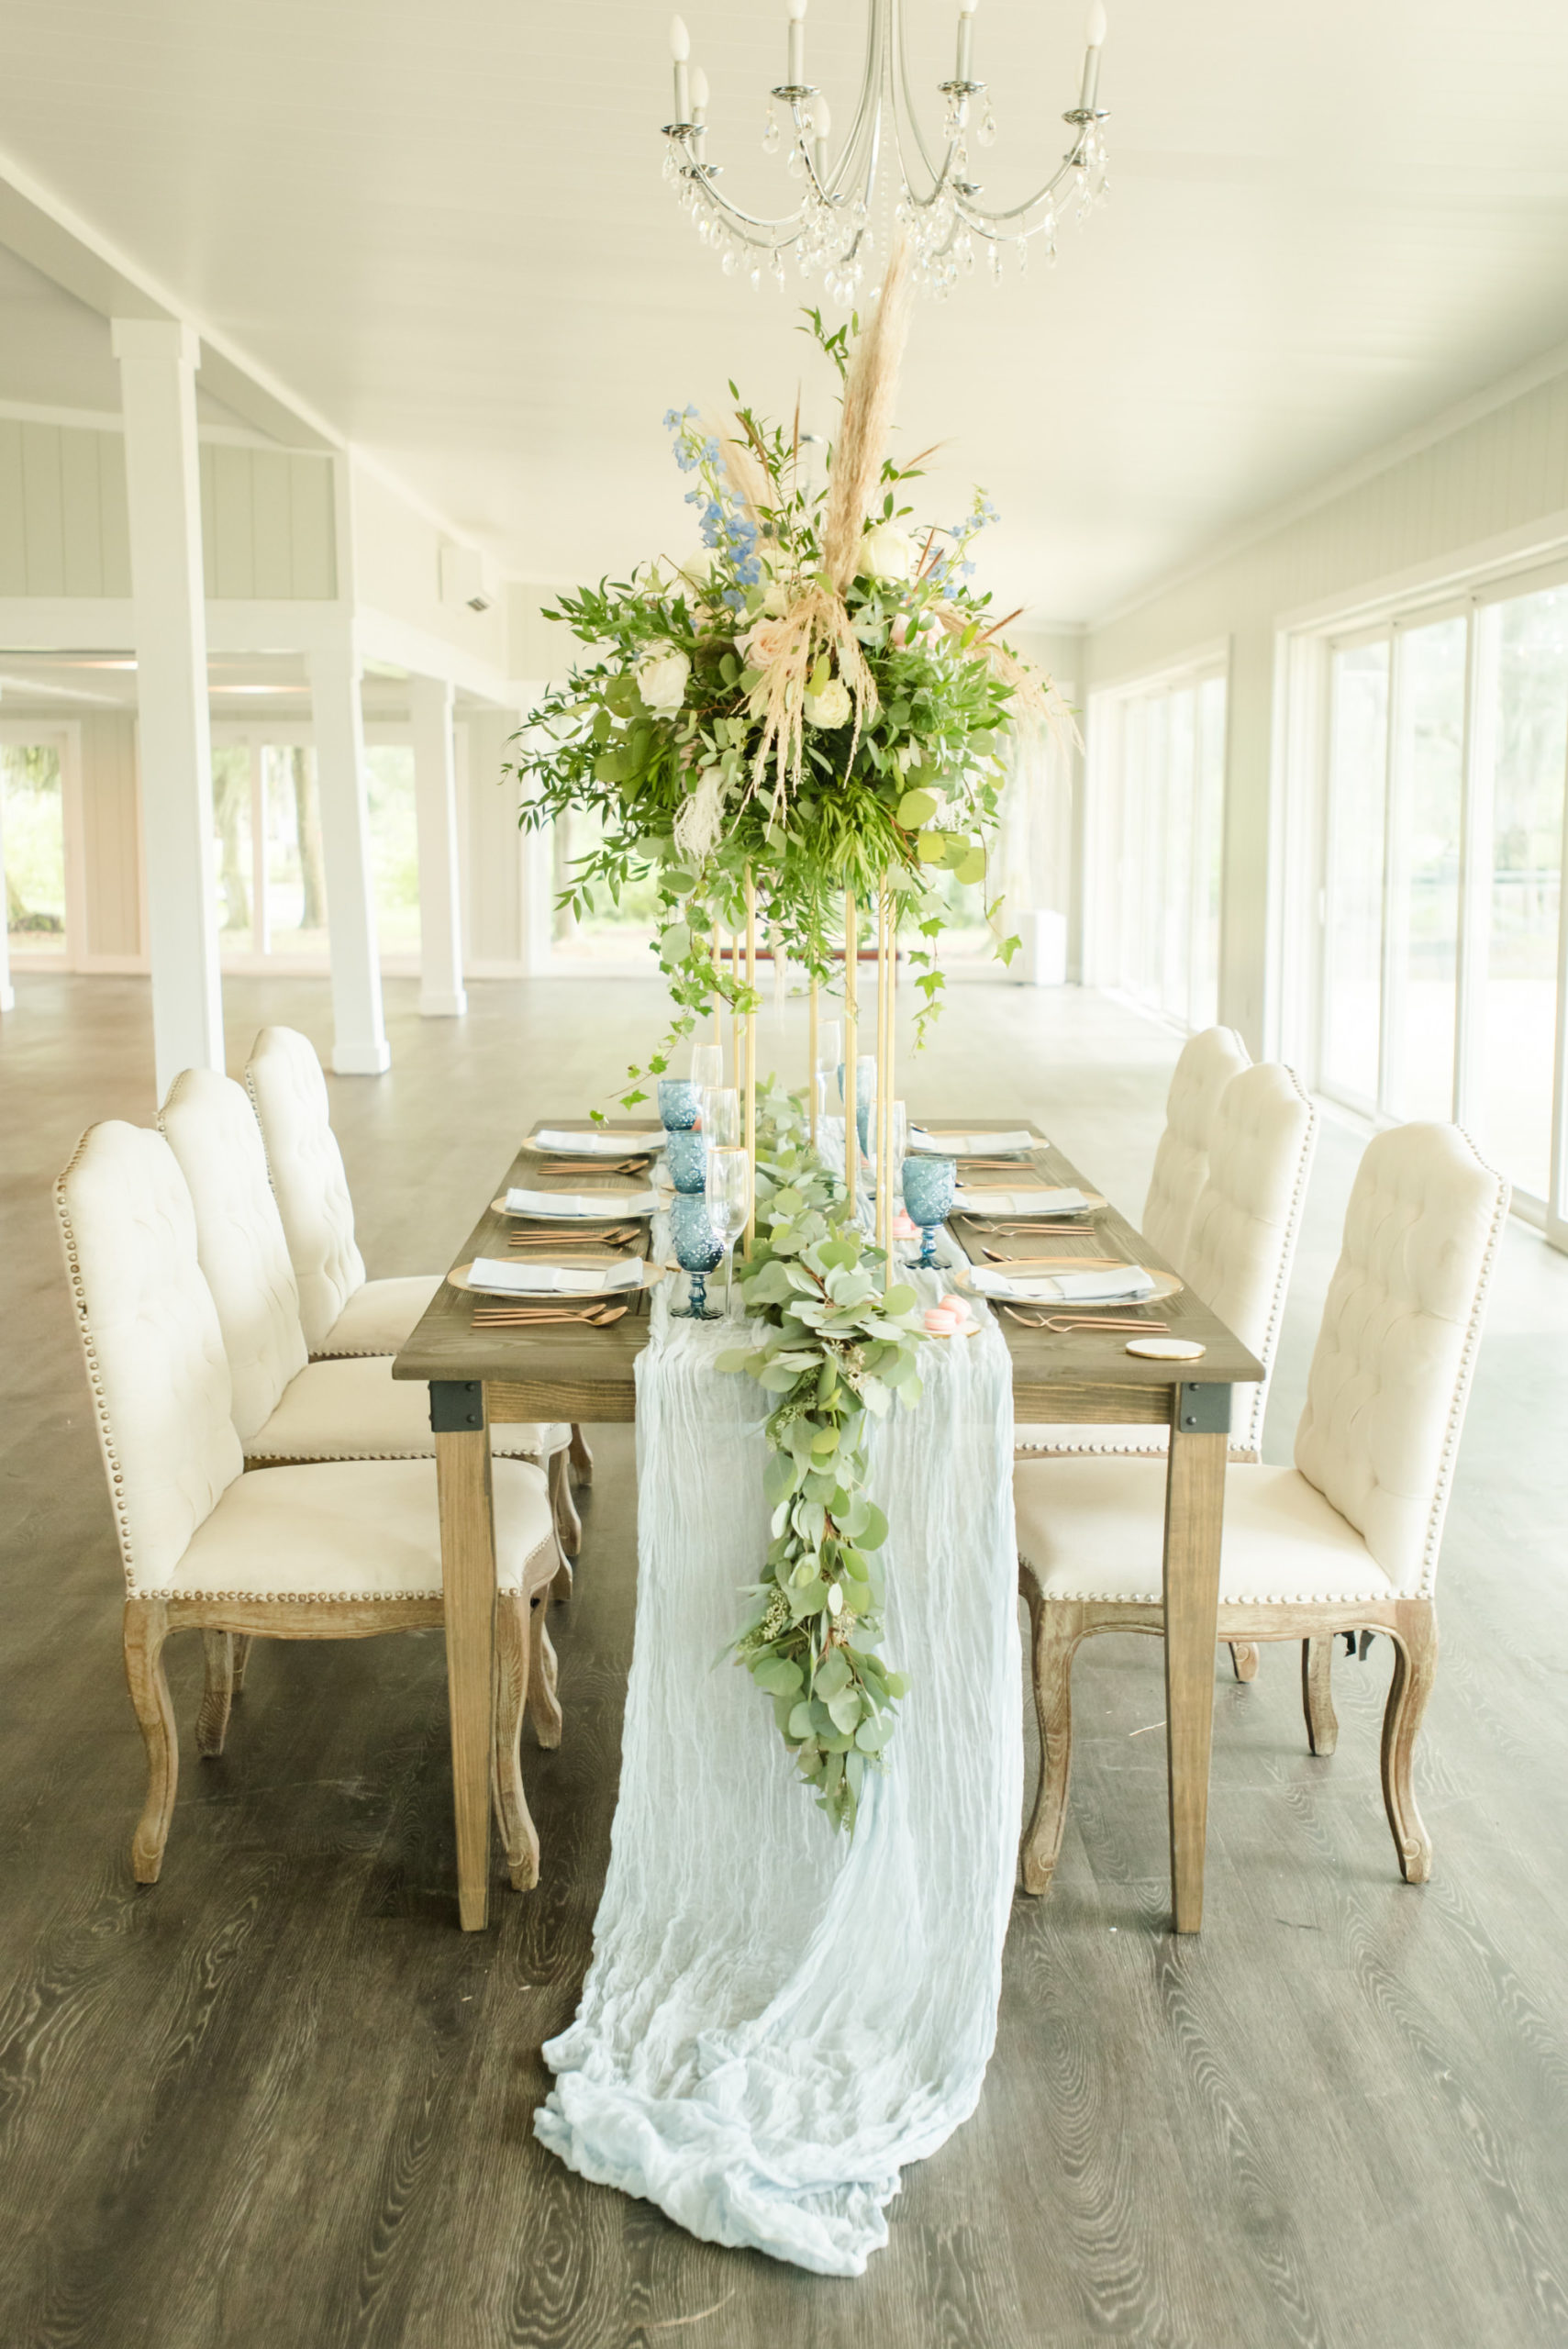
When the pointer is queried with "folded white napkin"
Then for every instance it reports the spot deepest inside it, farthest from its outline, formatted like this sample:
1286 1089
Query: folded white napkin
555 1280
595 1144
599 1206
1062 1288
970 1145
1013 1204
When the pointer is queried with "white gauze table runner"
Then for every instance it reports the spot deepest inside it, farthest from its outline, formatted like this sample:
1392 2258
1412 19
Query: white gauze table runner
775 2020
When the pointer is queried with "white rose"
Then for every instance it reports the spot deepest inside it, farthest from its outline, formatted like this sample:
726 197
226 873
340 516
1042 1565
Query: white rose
661 678
831 706
885 553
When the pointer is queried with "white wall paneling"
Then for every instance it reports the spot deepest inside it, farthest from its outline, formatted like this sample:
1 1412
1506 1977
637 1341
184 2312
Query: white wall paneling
441 992
157 361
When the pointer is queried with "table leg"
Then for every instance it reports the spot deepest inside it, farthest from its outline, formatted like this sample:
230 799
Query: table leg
1194 1510
468 1586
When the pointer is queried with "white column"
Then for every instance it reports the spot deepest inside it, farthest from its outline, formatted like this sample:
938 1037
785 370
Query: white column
360 1047
441 992
8 992
158 361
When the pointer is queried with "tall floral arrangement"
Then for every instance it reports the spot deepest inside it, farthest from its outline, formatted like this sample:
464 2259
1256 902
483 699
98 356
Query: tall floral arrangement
820 695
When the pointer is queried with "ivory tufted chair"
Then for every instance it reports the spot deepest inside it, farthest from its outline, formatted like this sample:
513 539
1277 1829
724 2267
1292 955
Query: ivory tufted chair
1241 1244
340 1551
1348 1539
1208 1062
341 1312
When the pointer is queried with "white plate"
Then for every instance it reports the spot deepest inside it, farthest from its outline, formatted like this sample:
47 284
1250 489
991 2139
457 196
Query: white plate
1165 1349
1165 1284
651 1274
980 1200
554 1141
579 1206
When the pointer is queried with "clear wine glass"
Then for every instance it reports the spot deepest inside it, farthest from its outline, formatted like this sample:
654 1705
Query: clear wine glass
721 1117
708 1071
728 1204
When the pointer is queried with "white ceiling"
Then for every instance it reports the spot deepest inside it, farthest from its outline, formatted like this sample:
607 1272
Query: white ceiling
445 228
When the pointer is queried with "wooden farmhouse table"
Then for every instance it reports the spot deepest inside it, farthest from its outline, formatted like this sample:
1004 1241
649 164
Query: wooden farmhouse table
576 1372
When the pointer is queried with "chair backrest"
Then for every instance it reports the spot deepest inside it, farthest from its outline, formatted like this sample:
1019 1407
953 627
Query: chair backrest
1208 1062
1386 1392
154 1351
210 1125
1247 1219
284 1081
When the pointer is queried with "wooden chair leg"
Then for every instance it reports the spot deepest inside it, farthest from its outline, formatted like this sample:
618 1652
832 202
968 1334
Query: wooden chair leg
582 1459
1317 1695
544 1704
241 1658
1414 1668
519 1837
1244 1659
1055 1635
146 1627
212 1721
568 1524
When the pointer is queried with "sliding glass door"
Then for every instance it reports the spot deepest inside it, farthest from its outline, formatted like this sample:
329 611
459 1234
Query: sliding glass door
1161 822
1443 960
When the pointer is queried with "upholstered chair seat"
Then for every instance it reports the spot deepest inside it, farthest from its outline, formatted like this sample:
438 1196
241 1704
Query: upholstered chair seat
341 1313
1345 1540
342 1551
1239 1245
287 1407
381 1315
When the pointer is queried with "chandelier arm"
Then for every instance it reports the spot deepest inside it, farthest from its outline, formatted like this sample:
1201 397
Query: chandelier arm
900 63
1073 162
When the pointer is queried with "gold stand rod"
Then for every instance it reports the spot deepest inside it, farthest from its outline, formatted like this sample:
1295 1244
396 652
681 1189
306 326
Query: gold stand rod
851 995
751 1054
811 1047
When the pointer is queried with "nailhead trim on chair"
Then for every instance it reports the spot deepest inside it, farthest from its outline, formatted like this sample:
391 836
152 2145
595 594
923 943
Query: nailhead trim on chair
1425 1586
95 1374
545 1549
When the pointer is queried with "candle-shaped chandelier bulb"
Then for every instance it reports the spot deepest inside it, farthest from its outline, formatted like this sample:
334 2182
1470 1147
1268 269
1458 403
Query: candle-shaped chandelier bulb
963 68
680 49
797 73
887 163
1093 41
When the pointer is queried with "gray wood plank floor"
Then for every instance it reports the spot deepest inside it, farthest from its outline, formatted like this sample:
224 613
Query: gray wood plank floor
279 2098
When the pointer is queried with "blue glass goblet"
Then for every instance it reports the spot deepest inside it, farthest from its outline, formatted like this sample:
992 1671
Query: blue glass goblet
686 1155
928 1195
677 1105
697 1251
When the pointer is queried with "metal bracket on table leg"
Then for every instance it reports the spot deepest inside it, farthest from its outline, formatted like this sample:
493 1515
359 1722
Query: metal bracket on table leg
1201 1408
457 1406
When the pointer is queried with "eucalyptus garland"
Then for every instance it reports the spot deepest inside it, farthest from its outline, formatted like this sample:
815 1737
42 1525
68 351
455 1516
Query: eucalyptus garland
836 1350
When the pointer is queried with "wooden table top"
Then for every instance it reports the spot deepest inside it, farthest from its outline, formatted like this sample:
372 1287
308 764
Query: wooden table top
582 1373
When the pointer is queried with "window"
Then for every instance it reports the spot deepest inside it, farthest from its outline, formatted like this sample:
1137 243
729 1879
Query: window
1157 809
267 868
1441 844
32 847
394 846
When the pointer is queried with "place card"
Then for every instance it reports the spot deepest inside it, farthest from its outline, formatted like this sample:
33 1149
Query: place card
1013 1204
551 1139
1130 1281
569 1207
1014 1144
555 1280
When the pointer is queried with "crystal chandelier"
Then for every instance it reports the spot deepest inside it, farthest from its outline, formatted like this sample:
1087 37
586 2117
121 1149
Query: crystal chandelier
884 163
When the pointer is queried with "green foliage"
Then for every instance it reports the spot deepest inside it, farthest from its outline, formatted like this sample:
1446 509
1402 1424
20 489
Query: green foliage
905 792
833 1346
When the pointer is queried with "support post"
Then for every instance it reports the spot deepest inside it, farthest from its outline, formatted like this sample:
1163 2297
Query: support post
751 1056
851 1046
441 995
360 1046
8 992
158 359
